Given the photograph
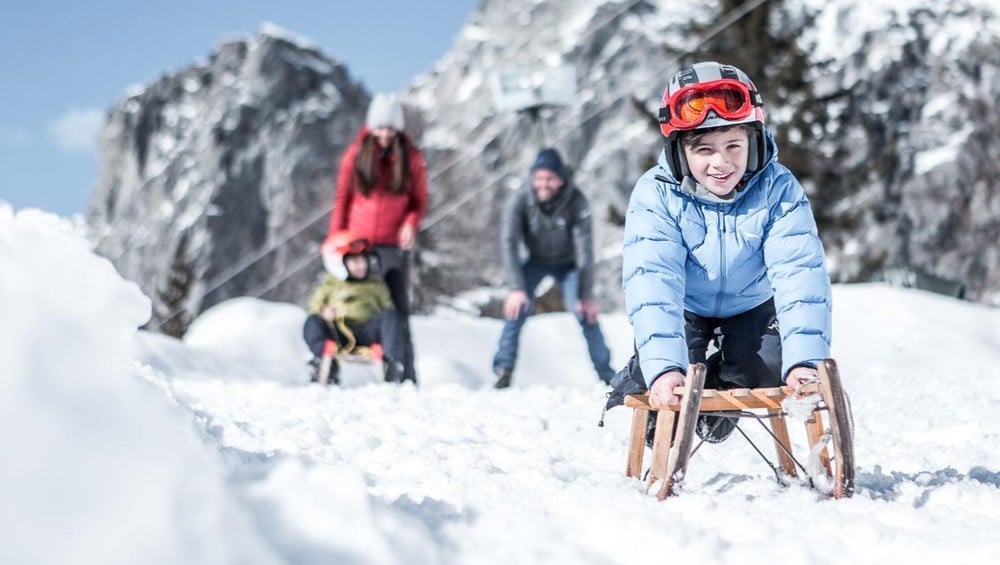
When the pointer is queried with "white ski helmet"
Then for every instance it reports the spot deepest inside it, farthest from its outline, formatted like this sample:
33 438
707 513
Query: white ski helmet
710 95
339 245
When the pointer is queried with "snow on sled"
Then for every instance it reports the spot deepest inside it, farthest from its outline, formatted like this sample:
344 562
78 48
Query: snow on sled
822 405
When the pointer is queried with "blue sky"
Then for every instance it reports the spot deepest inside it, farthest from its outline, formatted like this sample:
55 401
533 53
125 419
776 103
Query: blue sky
63 63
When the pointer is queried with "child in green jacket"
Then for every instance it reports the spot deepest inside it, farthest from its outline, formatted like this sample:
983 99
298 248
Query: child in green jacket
352 307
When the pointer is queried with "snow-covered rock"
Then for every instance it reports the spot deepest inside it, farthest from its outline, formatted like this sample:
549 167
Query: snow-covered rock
216 179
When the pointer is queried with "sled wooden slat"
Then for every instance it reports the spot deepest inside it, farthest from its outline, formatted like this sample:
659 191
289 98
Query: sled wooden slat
780 429
841 427
814 429
683 441
363 358
323 372
637 443
638 401
771 397
665 424
674 436
718 400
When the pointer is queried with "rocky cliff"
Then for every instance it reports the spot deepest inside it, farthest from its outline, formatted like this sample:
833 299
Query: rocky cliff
216 180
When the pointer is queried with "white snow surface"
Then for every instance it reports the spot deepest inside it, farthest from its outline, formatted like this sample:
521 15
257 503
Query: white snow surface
122 446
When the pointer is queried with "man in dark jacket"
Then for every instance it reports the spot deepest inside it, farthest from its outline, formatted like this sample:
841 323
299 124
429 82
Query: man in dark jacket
551 218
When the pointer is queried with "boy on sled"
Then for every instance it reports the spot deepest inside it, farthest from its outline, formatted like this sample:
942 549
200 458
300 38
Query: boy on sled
720 247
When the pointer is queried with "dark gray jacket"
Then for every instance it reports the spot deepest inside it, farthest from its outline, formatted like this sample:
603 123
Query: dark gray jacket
557 232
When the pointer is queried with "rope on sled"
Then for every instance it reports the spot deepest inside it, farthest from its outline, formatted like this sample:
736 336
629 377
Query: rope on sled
349 340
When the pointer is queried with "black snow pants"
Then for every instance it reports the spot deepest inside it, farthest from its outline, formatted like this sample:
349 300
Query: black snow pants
394 266
386 328
748 353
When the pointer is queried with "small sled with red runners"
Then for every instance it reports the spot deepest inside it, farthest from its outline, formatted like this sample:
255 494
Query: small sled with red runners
823 405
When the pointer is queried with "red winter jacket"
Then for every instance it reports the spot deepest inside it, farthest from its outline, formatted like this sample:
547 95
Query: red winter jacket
379 215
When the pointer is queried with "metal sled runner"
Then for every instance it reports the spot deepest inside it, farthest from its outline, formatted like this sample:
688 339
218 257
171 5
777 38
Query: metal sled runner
829 430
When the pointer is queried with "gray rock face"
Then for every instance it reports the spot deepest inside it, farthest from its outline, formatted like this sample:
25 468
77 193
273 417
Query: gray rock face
890 121
887 114
218 180
906 175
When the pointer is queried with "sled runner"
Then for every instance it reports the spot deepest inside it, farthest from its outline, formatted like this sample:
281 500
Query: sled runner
823 405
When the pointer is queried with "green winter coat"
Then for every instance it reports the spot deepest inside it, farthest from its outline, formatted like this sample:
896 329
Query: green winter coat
356 301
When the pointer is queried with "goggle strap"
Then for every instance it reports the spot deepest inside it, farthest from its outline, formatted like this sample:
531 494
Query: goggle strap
664 115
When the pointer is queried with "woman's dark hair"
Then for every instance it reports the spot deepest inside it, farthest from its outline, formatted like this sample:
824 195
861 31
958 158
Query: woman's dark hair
693 137
367 164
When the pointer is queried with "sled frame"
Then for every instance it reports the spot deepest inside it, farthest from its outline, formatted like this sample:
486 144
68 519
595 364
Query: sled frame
323 370
829 429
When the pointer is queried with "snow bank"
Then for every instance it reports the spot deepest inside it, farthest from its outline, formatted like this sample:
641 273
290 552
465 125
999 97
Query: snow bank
98 467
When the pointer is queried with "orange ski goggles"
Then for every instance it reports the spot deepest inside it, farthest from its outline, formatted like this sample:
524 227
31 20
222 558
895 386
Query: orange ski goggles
689 107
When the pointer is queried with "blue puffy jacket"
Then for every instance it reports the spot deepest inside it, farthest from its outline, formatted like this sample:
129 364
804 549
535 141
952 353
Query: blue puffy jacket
684 252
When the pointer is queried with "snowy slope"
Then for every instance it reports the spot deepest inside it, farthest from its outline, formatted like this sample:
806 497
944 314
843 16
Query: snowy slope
217 462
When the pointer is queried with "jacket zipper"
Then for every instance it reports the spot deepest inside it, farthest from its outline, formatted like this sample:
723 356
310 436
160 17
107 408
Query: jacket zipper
722 256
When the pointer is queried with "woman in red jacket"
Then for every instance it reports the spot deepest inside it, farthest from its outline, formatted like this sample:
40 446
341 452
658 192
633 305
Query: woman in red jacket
381 195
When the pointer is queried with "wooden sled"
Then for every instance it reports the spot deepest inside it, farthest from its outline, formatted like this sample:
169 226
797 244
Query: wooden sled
829 430
359 355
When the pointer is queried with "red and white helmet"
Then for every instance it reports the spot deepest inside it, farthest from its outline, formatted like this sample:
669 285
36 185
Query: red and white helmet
338 245
710 95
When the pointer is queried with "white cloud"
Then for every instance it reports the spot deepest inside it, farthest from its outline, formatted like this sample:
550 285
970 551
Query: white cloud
76 130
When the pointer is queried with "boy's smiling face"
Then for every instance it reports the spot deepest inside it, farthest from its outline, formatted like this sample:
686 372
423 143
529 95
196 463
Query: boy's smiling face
718 159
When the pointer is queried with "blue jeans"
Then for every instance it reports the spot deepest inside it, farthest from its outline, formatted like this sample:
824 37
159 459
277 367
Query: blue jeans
569 280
